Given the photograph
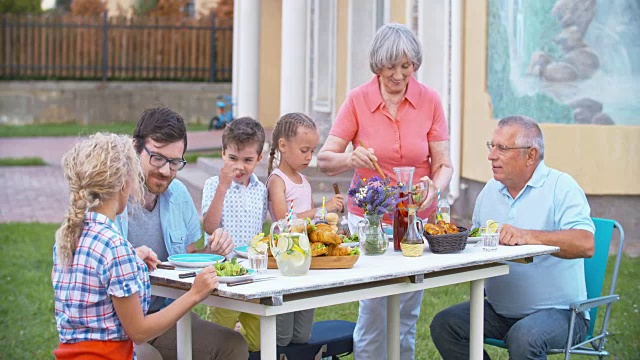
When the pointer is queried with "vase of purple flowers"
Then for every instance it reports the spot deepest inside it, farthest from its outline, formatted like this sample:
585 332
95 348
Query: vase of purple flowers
372 240
376 198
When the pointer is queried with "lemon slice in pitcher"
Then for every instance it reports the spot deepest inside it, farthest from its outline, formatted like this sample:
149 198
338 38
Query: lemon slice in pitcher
284 244
295 258
303 241
492 227
297 248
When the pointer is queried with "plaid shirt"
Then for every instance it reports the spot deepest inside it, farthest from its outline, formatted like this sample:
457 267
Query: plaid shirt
104 265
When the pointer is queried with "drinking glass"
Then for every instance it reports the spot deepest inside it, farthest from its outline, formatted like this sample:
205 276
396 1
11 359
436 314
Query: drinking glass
490 238
258 258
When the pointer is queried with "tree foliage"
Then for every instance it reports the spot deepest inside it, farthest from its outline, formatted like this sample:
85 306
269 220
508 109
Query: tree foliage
144 7
20 6
224 10
87 7
172 8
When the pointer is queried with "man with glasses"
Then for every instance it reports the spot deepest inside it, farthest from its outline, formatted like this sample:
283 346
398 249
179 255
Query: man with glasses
168 224
529 307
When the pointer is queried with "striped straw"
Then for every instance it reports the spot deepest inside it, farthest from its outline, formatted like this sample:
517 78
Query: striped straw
290 216
323 200
438 213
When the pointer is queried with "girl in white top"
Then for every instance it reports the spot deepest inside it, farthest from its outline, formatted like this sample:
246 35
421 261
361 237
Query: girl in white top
294 139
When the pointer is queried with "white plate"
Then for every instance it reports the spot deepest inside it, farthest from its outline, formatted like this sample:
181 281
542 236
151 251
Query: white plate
474 239
226 279
241 251
350 244
194 260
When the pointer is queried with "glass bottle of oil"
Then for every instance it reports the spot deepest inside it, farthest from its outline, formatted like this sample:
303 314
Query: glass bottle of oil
412 243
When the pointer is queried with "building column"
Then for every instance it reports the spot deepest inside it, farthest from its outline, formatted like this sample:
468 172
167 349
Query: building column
235 80
246 55
293 81
433 32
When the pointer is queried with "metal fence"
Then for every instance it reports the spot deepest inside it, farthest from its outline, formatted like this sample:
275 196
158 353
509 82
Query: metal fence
67 47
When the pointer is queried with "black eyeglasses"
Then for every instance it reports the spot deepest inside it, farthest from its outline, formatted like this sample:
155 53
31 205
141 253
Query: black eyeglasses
159 161
502 149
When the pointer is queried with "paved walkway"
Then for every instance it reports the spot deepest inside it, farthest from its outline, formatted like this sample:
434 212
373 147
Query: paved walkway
40 194
51 149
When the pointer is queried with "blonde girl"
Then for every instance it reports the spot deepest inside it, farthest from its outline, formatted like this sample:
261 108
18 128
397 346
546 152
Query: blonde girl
294 140
101 283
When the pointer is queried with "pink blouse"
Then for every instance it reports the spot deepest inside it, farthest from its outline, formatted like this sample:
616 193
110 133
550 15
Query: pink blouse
403 141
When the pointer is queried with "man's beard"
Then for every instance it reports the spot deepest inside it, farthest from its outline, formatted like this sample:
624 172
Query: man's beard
153 186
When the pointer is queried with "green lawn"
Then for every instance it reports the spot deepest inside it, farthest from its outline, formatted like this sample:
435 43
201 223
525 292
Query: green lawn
73 129
192 157
28 161
28 331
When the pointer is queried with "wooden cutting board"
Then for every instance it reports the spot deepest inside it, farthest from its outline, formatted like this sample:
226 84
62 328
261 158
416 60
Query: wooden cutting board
324 262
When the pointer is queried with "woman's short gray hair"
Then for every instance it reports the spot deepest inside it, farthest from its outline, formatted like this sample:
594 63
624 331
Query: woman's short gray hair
392 41
531 134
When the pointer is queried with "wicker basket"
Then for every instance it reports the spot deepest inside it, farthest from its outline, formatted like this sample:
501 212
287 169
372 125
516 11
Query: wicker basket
448 243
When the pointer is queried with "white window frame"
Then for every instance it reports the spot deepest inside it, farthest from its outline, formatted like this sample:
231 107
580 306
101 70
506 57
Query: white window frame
322 99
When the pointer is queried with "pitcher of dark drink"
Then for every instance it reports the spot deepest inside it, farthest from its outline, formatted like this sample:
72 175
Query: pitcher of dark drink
404 178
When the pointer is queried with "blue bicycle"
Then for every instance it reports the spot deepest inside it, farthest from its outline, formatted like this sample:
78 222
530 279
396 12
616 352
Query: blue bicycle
224 106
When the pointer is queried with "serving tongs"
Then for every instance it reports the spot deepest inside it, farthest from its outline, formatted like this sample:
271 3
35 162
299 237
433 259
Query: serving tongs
384 177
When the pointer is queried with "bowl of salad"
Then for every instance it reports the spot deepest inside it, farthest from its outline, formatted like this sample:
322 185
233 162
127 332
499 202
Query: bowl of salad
232 270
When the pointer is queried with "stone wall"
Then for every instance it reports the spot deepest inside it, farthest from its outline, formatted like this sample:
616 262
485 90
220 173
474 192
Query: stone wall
90 102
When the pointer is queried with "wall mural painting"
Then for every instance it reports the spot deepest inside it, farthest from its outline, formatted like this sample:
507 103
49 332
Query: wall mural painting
565 61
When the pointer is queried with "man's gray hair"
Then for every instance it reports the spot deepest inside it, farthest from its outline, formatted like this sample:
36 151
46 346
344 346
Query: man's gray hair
531 134
391 42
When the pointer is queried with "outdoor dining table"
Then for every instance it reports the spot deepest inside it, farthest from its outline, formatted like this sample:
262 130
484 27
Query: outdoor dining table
387 275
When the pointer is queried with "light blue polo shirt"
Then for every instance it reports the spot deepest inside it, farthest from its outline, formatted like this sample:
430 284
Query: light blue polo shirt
178 217
550 201
244 209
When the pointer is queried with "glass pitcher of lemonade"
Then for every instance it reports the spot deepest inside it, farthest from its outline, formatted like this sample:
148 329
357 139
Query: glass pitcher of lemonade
290 247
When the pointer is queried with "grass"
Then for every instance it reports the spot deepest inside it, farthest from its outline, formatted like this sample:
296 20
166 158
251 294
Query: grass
27 161
28 329
192 157
73 129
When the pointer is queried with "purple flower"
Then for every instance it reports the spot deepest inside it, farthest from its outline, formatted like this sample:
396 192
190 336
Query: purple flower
373 196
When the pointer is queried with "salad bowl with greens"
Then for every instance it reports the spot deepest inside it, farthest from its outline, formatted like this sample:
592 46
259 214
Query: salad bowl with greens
231 271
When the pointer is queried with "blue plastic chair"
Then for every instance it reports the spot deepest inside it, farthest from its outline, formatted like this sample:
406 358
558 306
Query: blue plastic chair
594 271
329 339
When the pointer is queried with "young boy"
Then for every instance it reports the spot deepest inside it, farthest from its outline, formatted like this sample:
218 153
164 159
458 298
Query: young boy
237 202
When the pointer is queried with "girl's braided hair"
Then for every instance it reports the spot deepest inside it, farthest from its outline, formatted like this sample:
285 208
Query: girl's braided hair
287 128
96 169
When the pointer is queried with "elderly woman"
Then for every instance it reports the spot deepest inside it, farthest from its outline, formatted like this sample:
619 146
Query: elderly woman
402 123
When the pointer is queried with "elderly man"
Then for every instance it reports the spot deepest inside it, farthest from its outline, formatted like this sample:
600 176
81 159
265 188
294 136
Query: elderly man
528 308
169 224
